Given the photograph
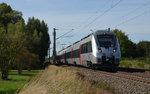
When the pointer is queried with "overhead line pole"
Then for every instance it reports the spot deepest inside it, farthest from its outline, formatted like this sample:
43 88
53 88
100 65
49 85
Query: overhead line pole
49 55
54 46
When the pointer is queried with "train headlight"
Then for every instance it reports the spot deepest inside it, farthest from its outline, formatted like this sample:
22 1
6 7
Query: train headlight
100 50
114 50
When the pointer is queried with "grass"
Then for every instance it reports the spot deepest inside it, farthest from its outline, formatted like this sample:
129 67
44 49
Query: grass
15 81
125 63
59 80
135 63
102 85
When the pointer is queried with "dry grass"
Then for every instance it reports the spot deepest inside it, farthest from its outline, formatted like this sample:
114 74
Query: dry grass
58 80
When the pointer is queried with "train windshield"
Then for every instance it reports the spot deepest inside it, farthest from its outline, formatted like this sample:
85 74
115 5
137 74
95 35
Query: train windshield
106 40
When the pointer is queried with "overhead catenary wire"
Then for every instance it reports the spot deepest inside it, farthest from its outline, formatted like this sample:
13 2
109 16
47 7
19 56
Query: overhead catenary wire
96 12
126 21
132 11
85 20
65 34
102 14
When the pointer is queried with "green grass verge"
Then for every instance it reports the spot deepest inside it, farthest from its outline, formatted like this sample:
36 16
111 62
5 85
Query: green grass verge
135 63
16 81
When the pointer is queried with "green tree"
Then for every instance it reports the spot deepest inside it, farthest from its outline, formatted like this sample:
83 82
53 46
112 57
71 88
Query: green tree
17 33
8 15
39 39
143 49
8 44
127 47
20 44
7 49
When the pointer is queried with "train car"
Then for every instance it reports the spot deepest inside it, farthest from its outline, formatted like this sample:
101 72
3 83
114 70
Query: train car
100 48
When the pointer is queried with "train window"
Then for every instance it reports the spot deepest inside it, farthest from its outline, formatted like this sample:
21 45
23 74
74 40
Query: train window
106 41
89 46
73 54
82 49
76 53
86 47
68 55
62 56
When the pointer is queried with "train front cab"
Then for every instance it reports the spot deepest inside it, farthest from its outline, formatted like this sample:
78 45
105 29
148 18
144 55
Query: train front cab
106 50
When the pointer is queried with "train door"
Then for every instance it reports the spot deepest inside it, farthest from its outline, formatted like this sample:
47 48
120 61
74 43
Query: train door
80 54
65 58
84 54
72 56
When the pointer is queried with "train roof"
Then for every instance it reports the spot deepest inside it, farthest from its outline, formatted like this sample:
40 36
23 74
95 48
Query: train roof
98 32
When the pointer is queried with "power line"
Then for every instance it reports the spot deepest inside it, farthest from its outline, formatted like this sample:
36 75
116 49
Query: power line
132 11
102 14
132 18
85 20
65 34
96 12
94 19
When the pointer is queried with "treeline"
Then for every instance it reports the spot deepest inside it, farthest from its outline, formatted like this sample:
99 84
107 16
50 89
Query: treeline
22 46
130 49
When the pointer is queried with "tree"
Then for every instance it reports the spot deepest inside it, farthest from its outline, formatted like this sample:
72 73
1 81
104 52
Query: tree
25 60
127 47
7 48
20 44
8 15
143 49
40 38
17 33
30 59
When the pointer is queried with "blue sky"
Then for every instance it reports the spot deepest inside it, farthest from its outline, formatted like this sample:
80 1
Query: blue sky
79 14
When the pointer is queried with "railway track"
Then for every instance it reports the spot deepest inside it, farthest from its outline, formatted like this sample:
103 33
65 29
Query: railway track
137 75
131 75
134 77
124 81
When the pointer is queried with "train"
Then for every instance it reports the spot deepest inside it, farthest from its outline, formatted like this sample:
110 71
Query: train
98 49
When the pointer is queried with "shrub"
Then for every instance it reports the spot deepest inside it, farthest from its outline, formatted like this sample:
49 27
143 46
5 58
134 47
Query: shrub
148 60
140 64
125 63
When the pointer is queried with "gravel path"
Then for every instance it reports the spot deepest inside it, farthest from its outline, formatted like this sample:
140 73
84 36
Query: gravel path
122 85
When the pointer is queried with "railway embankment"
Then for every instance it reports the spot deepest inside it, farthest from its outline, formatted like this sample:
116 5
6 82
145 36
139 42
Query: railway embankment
63 80
80 80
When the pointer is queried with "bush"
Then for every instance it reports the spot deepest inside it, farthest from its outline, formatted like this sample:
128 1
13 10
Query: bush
148 60
124 63
141 64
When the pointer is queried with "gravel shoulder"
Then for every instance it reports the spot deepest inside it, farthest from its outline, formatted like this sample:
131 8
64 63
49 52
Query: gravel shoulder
122 85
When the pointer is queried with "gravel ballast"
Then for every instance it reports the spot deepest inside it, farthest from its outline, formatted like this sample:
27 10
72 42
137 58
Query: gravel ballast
121 85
